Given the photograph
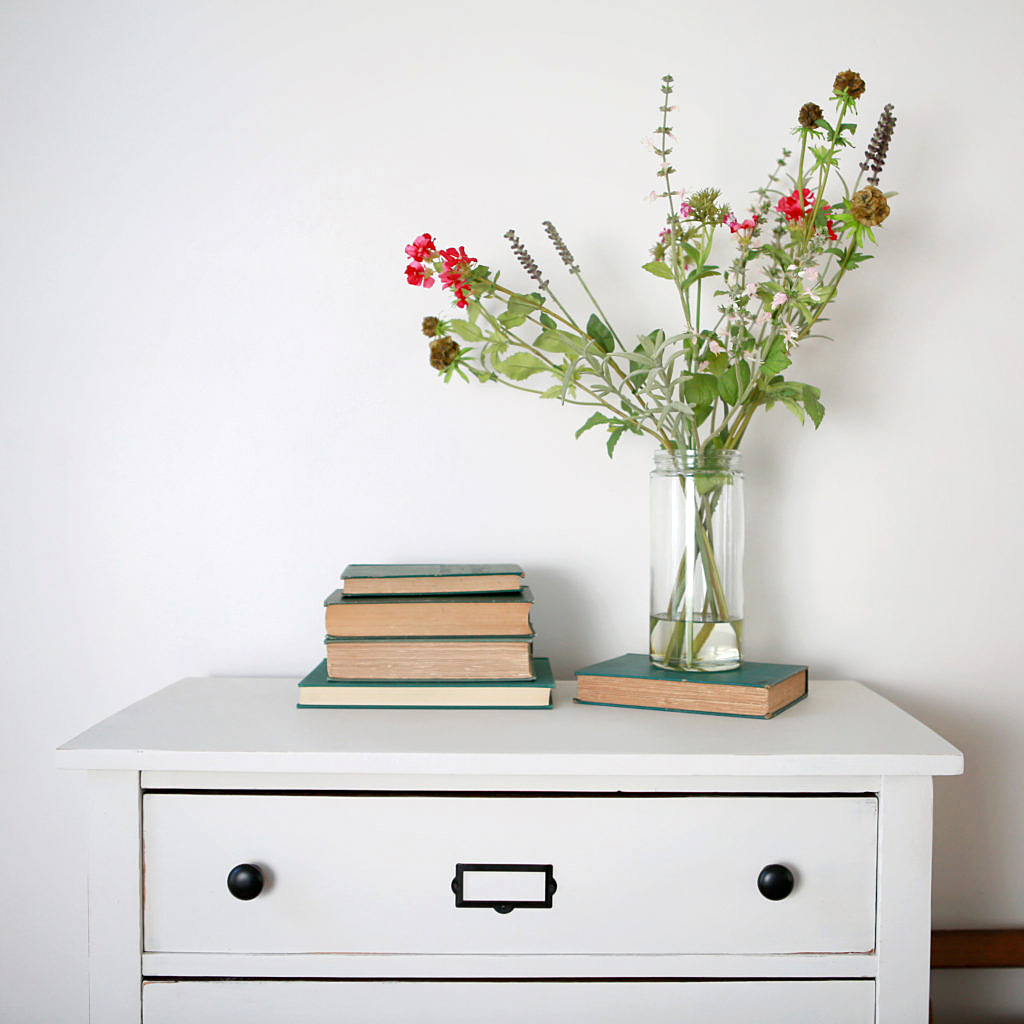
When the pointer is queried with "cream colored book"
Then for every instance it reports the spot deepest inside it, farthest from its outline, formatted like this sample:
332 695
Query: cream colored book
317 690
434 615
482 658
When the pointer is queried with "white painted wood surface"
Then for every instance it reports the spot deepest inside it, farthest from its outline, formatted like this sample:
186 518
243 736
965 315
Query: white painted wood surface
904 899
252 725
206 742
284 781
115 892
526 965
595 1002
635 874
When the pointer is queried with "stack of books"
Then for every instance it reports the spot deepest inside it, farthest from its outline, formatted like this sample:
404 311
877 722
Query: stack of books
756 689
418 636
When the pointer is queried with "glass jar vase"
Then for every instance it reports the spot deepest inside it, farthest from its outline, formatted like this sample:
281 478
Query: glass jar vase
696 621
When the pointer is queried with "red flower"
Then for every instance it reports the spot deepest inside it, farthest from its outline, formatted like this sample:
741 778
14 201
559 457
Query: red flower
421 247
416 273
796 206
831 233
456 271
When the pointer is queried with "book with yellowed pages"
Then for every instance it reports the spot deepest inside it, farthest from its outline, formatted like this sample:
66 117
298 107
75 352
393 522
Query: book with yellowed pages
754 690
360 580
430 658
495 614
317 690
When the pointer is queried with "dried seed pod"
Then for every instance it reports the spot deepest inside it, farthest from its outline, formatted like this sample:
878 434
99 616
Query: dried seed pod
810 114
443 352
869 206
851 83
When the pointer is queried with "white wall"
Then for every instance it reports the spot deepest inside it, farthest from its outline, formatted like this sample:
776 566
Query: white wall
215 395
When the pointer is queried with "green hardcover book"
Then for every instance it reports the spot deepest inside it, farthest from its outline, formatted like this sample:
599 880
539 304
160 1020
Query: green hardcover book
756 689
317 690
435 657
406 615
364 580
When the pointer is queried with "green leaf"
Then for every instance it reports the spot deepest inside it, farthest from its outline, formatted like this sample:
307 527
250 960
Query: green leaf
640 358
794 408
467 331
814 408
523 304
728 386
600 332
557 341
546 321
555 392
776 361
691 253
595 419
658 269
521 365
613 439
698 274
718 363
510 319
701 389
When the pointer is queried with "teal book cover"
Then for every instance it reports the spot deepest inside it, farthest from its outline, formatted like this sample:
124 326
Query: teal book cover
640 666
430 569
522 596
434 578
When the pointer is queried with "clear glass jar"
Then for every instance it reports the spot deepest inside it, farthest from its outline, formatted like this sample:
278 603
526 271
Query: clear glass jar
697 524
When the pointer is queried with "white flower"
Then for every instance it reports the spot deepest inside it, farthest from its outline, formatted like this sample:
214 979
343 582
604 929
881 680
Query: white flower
778 299
751 289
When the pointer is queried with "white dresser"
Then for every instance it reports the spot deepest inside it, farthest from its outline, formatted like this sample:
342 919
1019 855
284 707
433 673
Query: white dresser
251 861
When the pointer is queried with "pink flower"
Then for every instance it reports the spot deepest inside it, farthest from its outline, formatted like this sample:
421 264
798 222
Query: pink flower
420 248
744 228
416 274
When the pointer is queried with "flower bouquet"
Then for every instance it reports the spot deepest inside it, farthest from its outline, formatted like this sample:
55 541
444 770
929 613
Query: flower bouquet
693 389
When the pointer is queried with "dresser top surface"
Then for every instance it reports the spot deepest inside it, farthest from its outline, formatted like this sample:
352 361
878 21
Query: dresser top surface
253 725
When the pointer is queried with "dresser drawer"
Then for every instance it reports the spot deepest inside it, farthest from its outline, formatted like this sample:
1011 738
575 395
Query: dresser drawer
448 1002
631 874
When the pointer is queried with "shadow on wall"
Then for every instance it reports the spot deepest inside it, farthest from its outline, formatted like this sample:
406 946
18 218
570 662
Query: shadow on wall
564 615
978 997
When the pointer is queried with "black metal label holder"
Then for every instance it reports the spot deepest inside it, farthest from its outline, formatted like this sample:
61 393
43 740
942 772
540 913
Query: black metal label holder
505 906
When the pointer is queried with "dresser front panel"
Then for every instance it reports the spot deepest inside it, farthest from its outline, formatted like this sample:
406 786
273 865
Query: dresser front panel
453 1002
634 874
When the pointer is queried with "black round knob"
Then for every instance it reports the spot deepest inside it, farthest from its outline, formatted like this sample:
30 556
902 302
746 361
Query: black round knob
245 882
775 882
